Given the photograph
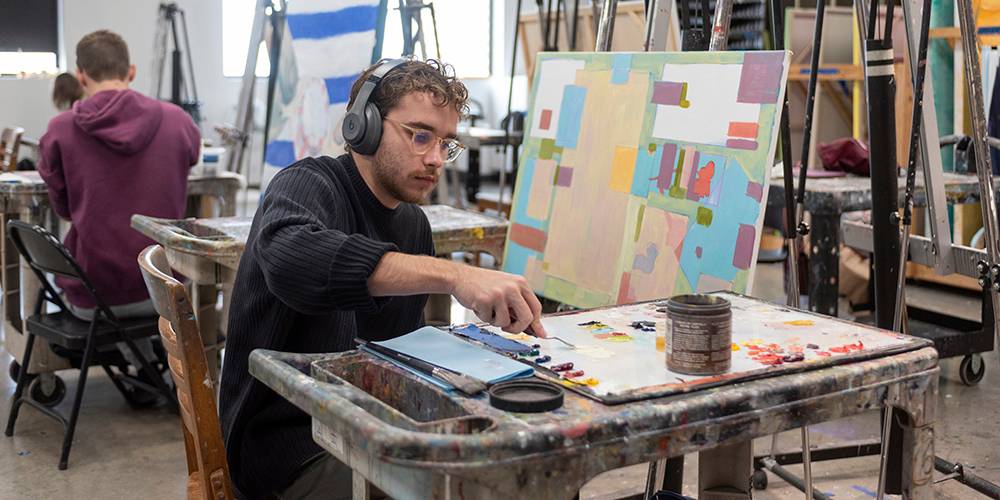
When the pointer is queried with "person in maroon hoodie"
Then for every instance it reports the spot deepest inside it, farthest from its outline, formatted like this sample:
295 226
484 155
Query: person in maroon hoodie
113 154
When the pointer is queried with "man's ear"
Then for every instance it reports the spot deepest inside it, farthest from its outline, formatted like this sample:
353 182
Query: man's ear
131 73
81 77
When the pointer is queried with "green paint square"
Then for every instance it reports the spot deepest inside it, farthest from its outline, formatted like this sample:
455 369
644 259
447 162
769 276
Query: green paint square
547 149
704 216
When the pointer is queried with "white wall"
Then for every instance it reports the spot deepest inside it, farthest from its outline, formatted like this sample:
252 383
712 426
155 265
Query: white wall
27 102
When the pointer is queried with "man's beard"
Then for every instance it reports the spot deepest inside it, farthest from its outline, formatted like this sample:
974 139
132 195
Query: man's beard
387 173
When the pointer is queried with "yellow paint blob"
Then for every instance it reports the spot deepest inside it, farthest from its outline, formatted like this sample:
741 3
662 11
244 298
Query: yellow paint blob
800 322
736 347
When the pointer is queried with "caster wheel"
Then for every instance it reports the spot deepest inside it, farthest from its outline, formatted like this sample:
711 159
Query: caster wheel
759 480
16 367
972 369
48 390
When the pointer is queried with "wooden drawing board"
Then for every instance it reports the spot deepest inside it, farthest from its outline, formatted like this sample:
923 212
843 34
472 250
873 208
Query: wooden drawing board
630 370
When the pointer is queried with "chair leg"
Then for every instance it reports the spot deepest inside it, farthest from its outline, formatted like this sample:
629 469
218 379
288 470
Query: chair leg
116 380
88 353
22 375
152 373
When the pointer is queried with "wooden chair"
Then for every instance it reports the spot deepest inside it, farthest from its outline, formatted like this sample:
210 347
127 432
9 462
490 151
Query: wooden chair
10 143
208 472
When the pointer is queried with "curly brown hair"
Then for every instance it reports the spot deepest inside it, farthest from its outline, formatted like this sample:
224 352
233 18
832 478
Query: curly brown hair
432 76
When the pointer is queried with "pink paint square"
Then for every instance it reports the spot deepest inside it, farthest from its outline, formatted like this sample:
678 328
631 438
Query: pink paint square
546 119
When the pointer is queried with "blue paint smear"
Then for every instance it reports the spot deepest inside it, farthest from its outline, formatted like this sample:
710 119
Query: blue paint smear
338 90
864 490
644 164
620 67
491 339
516 259
329 24
570 114
646 262
279 153
525 176
718 241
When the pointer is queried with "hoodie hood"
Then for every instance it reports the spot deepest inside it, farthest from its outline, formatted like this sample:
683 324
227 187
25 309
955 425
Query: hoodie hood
124 120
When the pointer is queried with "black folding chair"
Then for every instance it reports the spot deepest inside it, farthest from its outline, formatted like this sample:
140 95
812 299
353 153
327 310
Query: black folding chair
92 342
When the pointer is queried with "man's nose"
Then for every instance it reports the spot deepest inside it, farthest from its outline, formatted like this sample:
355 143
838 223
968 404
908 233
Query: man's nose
434 157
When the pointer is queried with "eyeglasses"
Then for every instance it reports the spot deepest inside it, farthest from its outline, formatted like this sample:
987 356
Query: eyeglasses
421 141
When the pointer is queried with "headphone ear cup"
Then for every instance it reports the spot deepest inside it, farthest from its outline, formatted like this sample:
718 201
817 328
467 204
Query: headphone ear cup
373 130
353 129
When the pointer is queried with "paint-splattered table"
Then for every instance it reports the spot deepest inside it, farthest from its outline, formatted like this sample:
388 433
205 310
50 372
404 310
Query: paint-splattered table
413 440
827 199
208 250
24 196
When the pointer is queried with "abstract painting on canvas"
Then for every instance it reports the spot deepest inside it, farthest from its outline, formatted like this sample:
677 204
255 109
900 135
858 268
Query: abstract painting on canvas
644 175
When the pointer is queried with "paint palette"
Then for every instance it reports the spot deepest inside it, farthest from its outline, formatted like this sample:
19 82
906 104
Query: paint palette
616 348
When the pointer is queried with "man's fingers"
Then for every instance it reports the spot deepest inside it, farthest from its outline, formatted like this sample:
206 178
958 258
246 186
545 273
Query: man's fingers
501 316
533 303
536 329
522 316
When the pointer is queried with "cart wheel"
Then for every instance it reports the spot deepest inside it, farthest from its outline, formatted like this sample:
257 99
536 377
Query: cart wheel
972 369
759 480
48 390
16 367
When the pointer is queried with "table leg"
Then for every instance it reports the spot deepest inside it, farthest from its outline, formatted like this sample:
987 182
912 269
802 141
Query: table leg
724 471
917 401
824 263
204 298
472 177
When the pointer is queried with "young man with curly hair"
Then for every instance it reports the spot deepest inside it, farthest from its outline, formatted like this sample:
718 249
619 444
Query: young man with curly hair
338 250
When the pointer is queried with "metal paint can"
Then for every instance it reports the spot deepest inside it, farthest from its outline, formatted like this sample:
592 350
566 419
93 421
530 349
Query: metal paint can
699 334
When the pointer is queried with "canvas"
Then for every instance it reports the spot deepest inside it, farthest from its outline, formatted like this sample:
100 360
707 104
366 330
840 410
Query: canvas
644 175
326 45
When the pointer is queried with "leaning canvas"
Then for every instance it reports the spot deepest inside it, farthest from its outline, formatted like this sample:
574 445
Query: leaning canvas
644 175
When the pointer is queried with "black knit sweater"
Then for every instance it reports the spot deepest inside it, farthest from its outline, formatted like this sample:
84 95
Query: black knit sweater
302 287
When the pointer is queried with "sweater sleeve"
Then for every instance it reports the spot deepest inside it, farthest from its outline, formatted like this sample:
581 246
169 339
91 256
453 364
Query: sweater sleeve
309 265
51 170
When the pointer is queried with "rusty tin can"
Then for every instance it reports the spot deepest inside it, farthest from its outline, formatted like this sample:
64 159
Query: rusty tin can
699 334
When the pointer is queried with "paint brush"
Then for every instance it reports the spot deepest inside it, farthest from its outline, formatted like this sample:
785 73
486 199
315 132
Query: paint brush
468 385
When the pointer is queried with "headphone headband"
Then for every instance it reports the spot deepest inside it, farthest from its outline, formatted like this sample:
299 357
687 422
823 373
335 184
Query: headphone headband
362 126
371 82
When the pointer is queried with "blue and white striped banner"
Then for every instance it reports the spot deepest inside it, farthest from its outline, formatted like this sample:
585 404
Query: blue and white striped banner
331 43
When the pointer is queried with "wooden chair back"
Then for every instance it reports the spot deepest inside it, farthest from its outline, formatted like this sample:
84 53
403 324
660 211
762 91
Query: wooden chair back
10 143
206 454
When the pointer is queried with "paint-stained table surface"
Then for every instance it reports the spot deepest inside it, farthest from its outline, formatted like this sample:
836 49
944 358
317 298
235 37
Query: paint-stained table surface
208 250
200 246
411 439
826 199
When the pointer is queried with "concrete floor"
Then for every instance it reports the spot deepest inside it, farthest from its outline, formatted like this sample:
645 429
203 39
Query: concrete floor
119 452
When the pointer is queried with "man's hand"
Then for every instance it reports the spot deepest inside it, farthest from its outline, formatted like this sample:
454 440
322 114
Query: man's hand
501 299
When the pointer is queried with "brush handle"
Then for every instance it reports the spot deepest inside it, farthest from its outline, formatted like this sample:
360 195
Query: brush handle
418 364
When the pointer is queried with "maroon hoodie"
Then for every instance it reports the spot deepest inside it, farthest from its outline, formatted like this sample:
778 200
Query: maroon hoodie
115 154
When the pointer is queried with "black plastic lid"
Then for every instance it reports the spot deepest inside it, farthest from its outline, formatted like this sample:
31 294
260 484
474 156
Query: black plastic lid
526 396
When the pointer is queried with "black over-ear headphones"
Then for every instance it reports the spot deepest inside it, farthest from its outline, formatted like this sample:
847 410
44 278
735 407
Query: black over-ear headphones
363 122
